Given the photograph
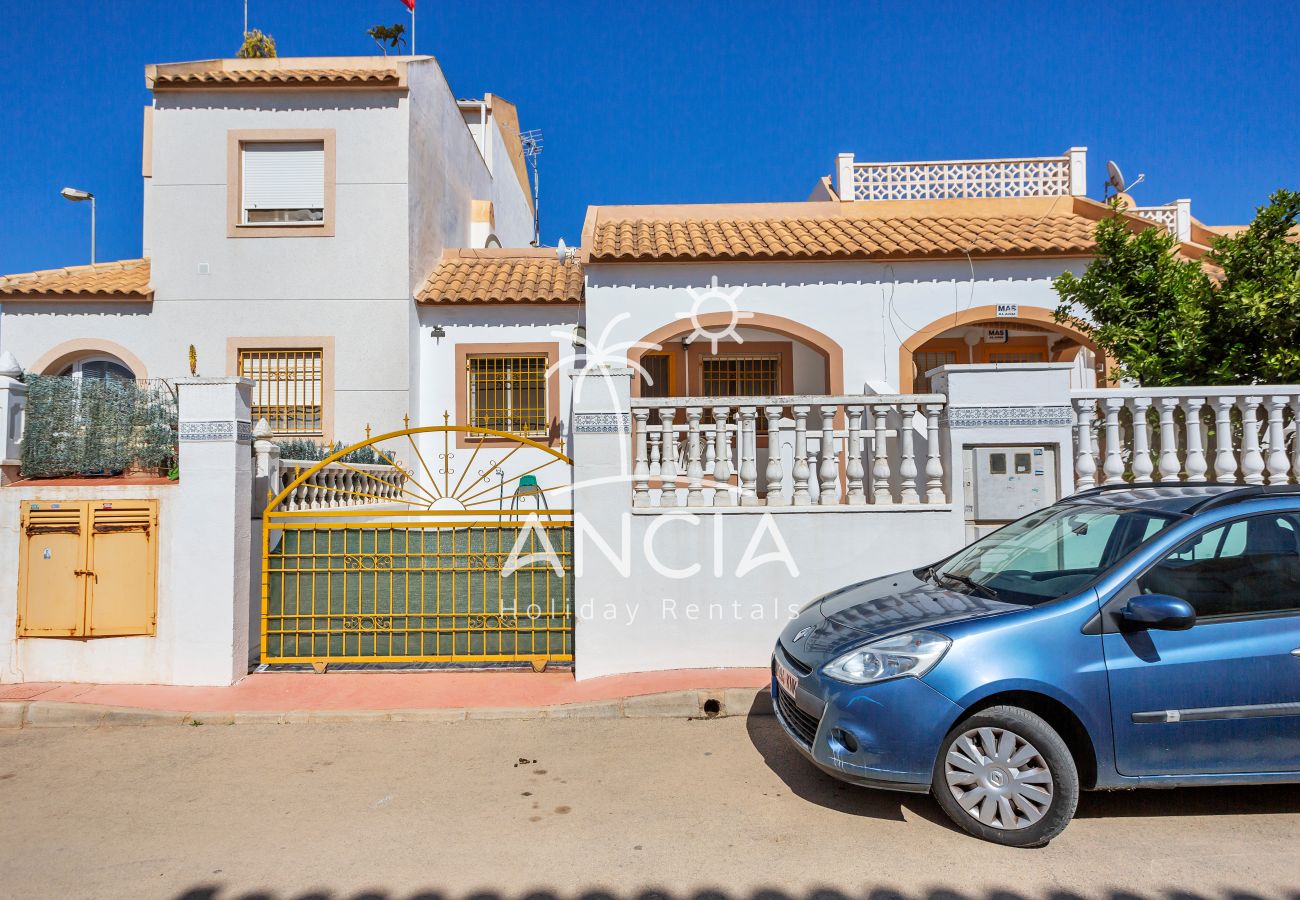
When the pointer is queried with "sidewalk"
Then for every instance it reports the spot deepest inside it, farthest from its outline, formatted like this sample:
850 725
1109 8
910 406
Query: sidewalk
290 697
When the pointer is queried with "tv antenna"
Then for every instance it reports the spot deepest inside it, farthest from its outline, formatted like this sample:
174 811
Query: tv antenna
1116 181
532 141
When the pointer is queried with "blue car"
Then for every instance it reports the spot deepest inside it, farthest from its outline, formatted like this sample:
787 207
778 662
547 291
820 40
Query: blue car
1123 638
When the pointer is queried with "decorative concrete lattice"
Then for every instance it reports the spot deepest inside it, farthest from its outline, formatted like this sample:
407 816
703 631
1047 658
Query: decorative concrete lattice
1049 177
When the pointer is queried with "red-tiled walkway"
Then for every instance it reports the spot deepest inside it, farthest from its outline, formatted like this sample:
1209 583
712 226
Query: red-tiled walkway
270 691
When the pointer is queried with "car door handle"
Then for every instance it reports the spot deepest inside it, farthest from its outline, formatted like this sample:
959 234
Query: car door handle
1296 652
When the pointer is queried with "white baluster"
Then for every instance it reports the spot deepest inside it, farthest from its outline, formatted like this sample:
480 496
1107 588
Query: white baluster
775 491
1085 460
722 457
1195 463
884 495
853 469
694 464
1113 467
655 440
801 468
641 467
668 467
747 445
1225 456
1142 464
828 474
1278 464
933 455
1169 464
907 466
1252 461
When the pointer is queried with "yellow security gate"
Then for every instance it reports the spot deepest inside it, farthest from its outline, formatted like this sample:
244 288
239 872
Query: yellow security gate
374 556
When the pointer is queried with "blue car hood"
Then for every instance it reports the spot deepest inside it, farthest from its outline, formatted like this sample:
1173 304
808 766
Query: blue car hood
880 607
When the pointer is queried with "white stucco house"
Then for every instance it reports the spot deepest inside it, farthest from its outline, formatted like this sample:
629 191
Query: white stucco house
292 210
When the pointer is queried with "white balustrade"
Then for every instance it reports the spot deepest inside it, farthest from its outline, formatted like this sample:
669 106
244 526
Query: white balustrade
337 485
1230 435
811 452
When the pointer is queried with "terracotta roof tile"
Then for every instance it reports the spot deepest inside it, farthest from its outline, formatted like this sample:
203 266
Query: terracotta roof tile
819 231
503 276
224 77
126 279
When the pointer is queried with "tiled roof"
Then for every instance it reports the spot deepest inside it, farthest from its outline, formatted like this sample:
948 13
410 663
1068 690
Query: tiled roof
277 76
830 231
126 279
503 276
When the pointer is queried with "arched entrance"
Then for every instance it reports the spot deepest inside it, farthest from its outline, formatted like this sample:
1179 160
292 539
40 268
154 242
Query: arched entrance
980 335
759 354
382 553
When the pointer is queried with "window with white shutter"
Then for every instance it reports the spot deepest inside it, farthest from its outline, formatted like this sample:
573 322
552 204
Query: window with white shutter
283 182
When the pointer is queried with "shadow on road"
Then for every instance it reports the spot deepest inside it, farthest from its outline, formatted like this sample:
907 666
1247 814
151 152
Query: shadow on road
809 783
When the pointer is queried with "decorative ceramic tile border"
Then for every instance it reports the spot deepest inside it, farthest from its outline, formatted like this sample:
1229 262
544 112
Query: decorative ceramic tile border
1010 416
219 430
602 423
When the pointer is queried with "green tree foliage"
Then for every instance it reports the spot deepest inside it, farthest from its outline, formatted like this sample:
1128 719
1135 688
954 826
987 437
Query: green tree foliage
388 37
1172 321
257 46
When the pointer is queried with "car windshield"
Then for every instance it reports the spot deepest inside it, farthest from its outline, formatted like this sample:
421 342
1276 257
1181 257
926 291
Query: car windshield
1048 554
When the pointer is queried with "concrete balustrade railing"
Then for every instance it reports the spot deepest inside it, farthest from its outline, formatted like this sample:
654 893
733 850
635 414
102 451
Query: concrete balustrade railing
336 485
1232 435
339 485
787 451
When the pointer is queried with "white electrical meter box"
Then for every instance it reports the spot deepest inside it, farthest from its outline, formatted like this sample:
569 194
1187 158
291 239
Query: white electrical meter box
1005 483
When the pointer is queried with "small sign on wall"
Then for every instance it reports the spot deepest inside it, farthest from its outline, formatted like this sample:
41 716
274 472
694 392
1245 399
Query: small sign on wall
1008 310
996 335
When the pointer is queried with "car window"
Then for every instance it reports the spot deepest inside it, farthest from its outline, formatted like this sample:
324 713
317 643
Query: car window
1247 567
1050 553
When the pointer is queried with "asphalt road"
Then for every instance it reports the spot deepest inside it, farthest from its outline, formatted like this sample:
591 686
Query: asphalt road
568 810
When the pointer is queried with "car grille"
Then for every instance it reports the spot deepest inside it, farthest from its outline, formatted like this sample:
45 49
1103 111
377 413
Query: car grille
798 721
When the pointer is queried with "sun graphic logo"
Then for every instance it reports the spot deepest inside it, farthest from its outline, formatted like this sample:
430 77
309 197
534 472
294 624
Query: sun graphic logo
709 301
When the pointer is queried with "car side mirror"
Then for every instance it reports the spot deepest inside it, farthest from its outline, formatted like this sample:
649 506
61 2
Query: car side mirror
1159 611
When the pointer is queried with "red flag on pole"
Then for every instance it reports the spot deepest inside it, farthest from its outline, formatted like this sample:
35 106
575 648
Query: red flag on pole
409 4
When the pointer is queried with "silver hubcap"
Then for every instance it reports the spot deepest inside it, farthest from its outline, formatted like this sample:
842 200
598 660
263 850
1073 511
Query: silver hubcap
999 778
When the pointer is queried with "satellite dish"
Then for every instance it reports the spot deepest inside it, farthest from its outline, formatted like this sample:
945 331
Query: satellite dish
1116 179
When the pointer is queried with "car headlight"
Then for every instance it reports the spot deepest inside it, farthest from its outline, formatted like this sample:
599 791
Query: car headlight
914 653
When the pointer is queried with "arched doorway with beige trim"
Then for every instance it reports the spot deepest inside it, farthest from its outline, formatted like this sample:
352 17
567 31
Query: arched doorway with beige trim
980 335
90 357
763 355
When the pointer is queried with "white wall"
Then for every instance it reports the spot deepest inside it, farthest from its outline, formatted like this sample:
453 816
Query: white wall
439 375
687 588
186 198
869 308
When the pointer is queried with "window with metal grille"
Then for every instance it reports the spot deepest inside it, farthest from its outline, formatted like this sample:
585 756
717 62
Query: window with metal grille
284 182
740 376
287 389
925 360
508 393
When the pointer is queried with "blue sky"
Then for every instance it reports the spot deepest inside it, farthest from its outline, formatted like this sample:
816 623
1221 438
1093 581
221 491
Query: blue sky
694 102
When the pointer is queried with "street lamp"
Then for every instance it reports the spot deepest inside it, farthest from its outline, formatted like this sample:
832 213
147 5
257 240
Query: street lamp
77 196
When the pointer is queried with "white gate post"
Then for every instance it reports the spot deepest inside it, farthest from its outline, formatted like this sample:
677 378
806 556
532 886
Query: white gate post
210 553
13 411
602 453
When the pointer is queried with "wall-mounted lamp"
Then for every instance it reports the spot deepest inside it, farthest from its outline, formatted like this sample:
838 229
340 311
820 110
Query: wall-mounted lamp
437 332
579 335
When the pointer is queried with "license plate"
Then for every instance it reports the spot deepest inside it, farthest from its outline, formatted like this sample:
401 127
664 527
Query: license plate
786 680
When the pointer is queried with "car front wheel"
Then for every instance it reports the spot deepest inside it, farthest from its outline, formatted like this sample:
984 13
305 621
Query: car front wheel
1005 775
